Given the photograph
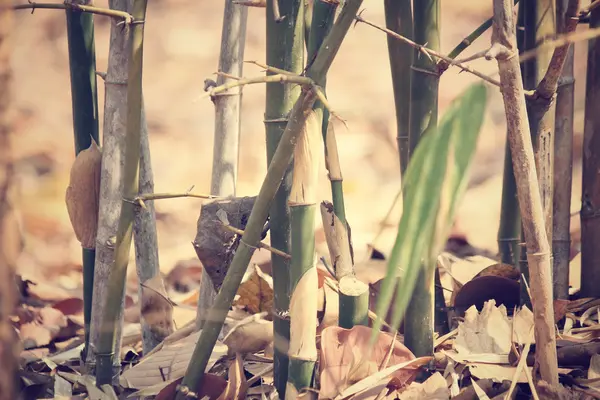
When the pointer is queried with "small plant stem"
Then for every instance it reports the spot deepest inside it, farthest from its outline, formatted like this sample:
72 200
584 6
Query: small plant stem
509 231
82 66
590 202
276 171
161 196
504 49
115 112
398 18
285 50
126 17
563 163
423 118
260 245
116 283
228 104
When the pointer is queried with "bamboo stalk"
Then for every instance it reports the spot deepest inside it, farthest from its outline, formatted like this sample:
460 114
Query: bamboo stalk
111 187
285 50
116 283
590 223
9 241
504 49
303 271
228 118
509 231
419 321
275 173
563 164
145 240
398 18
82 65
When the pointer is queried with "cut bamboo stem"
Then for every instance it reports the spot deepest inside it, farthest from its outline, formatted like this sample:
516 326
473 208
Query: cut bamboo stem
590 202
504 49
116 279
111 189
398 18
82 66
563 163
419 321
285 50
275 173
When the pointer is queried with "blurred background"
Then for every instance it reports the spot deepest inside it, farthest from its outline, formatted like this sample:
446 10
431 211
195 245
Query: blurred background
181 50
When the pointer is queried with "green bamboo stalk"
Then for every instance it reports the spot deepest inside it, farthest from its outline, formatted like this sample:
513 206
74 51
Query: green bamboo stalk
398 18
308 15
539 23
418 326
285 50
275 173
590 223
104 370
303 271
563 165
82 65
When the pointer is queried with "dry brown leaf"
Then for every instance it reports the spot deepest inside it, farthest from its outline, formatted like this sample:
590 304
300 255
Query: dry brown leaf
48 324
485 332
343 352
330 307
256 293
237 386
82 195
210 386
560 309
250 335
434 388
71 306
170 362
497 373
156 308
185 276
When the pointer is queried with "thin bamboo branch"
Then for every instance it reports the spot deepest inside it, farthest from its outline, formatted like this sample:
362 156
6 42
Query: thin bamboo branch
429 52
116 278
563 163
278 166
126 17
115 111
504 50
140 199
82 62
260 245
590 198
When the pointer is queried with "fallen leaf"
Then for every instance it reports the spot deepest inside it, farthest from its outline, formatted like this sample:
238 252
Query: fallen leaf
434 388
503 291
256 293
522 323
343 360
498 373
249 335
71 306
185 275
237 386
156 308
210 386
168 363
485 332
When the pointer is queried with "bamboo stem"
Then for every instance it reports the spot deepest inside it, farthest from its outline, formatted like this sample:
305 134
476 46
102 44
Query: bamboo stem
419 322
398 18
111 187
126 17
276 171
112 311
82 66
563 163
590 202
10 243
538 250
285 50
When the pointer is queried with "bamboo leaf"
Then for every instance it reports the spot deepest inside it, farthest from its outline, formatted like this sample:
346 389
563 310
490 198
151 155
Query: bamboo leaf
435 180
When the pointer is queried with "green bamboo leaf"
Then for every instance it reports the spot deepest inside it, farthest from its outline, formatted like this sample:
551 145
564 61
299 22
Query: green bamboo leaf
434 182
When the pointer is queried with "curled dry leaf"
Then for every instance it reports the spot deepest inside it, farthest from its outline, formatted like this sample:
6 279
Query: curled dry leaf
82 195
343 362
485 332
168 363
256 292
249 335
156 308
237 385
